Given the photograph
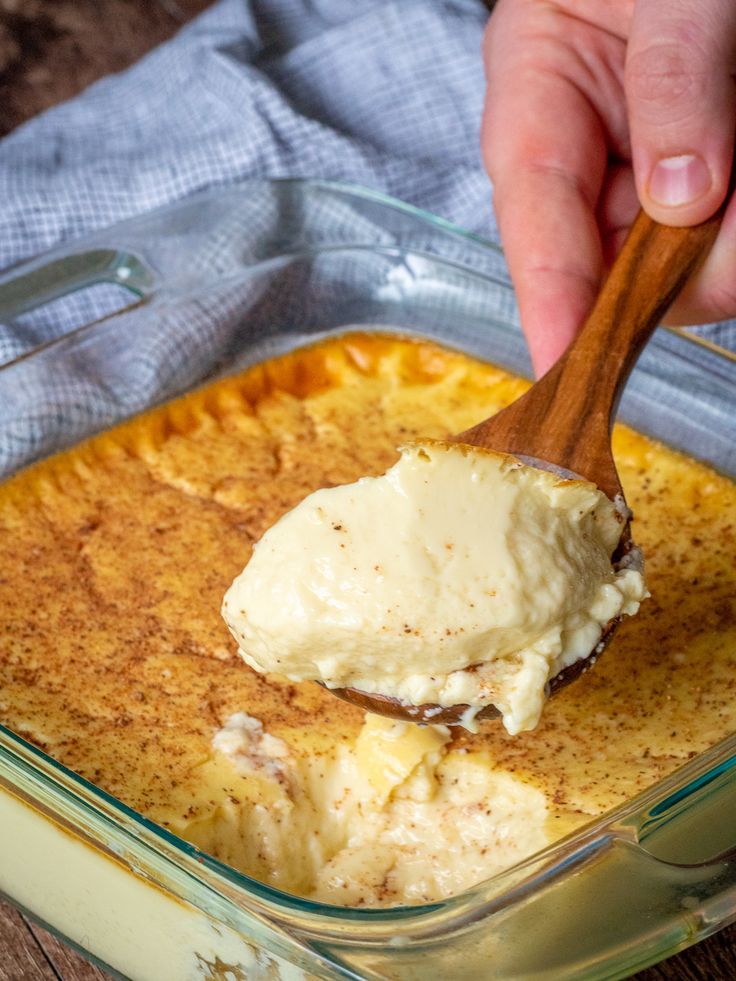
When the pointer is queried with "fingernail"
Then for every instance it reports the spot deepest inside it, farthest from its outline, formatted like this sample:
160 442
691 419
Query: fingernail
679 180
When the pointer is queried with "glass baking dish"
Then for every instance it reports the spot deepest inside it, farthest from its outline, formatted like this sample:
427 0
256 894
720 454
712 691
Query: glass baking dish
203 288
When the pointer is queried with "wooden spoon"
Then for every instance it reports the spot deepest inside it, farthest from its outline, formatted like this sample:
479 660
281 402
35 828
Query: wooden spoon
564 421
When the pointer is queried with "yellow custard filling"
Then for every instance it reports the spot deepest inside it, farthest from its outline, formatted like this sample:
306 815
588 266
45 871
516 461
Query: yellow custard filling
460 577
114 558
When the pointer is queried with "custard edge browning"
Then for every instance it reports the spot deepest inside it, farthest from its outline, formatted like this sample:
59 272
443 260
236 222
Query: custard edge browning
125 545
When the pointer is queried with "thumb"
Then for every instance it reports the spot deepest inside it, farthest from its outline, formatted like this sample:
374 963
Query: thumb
681 96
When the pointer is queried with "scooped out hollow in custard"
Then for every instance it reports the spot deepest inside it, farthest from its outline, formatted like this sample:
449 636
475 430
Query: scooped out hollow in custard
459 577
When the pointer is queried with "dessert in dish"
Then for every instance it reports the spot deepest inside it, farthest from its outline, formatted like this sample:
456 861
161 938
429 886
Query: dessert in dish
459 577
114 658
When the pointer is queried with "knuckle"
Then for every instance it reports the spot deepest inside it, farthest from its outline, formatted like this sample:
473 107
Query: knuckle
552 172
722 298
664 78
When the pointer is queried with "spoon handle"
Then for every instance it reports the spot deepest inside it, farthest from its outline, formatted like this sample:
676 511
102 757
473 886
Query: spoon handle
653 266
566 417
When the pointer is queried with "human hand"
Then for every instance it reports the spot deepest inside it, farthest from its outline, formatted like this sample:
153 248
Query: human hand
592 107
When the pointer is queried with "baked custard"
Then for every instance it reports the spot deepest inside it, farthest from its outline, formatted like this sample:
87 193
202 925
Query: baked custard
458 577
114 659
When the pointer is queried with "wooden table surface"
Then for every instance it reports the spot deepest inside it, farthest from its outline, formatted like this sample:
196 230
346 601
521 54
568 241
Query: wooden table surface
49 50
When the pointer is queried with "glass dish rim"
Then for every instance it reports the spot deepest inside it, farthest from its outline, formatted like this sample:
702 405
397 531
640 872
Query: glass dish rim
275 898
698 771
343 188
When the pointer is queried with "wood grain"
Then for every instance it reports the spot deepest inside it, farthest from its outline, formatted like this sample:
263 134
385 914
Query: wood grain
67 963
29 953
21 956
566 417
50 49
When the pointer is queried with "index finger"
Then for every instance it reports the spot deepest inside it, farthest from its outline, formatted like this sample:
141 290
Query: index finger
546 153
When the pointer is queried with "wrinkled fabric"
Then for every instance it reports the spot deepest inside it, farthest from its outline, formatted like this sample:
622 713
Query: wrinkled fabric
383 93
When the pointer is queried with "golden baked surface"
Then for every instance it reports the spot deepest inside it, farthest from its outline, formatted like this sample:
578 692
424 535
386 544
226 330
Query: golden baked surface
114 558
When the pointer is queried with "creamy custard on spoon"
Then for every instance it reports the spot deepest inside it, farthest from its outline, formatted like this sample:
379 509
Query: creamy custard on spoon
463 579
460 576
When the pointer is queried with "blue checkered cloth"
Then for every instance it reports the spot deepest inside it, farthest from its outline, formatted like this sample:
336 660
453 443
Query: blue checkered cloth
384 93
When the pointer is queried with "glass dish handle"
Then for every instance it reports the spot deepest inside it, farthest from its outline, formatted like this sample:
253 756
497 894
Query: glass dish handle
619 911
653 884
51 277
615 901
